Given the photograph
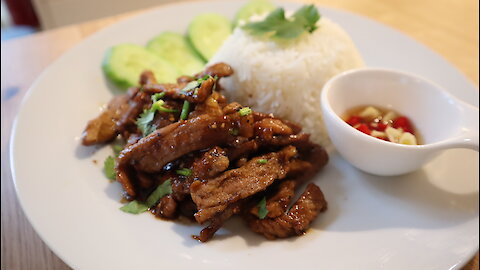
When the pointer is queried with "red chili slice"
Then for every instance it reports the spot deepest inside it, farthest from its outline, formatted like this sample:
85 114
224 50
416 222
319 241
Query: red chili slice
404 123
354 120
382 127
364 128
378 126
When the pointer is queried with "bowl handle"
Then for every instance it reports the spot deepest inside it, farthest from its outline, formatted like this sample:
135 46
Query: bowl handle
469 137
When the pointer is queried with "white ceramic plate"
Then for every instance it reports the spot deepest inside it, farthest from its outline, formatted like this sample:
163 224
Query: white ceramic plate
425 220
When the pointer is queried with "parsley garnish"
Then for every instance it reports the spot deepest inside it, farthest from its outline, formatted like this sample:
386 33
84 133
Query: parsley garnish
136 207
277 26
164 189
245 111
117 147
262 161
109 168
262 208
145 119
143 122
184 172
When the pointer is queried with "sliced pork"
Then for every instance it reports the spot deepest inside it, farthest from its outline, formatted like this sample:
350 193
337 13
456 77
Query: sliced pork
294 222
221 158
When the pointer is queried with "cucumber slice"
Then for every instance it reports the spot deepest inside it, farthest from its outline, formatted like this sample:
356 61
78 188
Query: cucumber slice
253 7
207 32
175 48
124 63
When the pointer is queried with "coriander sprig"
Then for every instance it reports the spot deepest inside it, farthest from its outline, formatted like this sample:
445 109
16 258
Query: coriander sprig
262 208
136 207
277 26
109 168
146 117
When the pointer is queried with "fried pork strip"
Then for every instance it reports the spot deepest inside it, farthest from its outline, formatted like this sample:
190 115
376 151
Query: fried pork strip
151 153
294 222
225 151
215 195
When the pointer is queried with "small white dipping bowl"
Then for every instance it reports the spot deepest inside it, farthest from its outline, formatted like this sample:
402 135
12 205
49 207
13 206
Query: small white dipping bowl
441 120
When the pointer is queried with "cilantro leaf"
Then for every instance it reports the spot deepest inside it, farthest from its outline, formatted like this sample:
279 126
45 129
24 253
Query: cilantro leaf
164 189
117 147
109 168
143 122
136 207
307 16
145 118
150 129
269 24
289 31
276 25
262 208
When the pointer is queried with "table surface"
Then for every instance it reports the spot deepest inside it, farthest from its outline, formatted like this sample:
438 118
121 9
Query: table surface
448 27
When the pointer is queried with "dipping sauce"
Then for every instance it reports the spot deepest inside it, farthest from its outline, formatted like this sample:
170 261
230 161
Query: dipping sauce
384 124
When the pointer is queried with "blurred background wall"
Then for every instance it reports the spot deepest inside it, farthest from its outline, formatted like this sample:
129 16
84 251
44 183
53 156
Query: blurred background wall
55 13
22 17
18 18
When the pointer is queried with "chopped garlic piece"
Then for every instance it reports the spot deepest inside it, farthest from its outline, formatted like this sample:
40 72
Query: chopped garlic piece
370 113
393 134
378 134
408 138
389 116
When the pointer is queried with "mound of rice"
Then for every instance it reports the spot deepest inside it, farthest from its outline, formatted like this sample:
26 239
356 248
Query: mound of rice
286 79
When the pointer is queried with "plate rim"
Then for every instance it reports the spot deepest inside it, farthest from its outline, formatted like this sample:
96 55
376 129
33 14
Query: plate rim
13 135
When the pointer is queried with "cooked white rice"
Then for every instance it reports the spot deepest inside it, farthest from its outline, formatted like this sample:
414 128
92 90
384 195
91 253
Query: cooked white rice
286 79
